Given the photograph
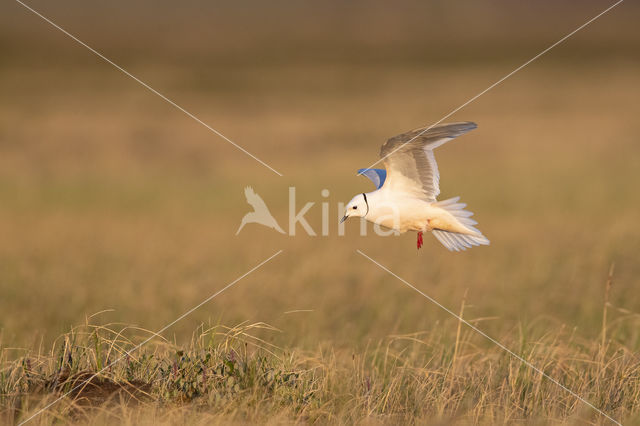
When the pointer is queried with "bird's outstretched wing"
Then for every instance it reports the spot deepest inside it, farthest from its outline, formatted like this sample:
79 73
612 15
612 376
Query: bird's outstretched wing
254 200
408 158
377 176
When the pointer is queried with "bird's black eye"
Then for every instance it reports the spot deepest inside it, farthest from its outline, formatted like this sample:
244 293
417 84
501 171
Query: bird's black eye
355 207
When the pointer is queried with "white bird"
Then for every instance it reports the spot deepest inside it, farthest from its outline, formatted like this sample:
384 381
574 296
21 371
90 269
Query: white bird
261 213
405 199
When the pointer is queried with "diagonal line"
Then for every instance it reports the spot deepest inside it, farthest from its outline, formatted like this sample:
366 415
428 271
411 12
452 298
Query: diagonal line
499 81
149 87
491 339
159 332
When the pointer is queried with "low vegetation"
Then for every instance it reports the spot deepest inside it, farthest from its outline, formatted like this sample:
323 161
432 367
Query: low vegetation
94 374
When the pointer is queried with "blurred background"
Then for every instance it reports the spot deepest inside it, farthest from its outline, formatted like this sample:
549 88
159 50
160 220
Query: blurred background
114 202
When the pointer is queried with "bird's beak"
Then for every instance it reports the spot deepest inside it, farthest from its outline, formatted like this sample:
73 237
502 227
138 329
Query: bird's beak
343 218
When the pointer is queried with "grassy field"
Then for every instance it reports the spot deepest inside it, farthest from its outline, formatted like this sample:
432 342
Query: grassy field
118 213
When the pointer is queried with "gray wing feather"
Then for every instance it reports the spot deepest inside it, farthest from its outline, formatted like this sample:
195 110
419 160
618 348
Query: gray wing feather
409 160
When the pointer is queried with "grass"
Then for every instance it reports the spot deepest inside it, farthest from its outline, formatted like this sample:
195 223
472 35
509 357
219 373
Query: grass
103 374
232 375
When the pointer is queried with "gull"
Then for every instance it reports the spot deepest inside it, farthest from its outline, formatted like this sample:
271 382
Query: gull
260 213
405 198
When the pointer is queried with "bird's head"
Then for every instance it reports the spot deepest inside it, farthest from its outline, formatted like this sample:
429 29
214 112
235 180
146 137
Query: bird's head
357 207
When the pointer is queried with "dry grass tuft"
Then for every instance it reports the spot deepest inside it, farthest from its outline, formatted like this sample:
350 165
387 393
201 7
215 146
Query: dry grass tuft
231 374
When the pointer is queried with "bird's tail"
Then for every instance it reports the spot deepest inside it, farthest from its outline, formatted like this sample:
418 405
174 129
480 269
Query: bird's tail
459 240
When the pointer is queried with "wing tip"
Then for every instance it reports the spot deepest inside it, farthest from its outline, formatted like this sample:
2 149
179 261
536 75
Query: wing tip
377 176
462 127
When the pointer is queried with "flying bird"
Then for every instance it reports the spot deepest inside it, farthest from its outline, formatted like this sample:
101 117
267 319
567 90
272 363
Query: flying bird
260 213
405 198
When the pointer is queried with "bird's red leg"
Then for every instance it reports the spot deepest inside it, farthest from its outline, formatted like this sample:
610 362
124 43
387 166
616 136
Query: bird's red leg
419 240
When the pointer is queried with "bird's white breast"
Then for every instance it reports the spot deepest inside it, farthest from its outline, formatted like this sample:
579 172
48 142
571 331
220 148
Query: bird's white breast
398 211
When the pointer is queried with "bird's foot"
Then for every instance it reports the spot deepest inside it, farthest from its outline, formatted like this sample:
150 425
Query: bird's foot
419 240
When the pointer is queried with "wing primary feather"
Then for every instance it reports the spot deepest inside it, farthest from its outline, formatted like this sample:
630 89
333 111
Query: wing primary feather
409 160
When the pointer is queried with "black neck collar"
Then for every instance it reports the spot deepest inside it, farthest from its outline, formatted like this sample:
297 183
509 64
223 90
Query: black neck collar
365 200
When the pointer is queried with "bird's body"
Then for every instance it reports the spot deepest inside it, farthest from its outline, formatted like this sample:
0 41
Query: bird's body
406 213
406 196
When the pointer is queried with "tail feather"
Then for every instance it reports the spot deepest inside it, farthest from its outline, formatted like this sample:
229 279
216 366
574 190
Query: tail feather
459 241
